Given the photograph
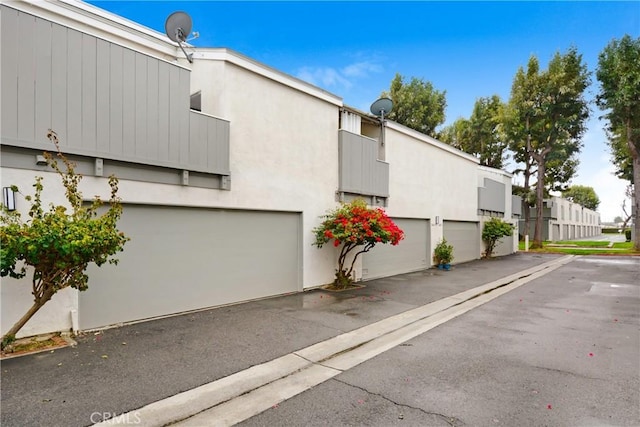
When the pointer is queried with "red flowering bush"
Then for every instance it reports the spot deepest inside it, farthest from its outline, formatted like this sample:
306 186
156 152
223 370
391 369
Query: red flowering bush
355 226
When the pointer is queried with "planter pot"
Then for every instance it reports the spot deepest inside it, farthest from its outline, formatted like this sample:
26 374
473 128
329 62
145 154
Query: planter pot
447 267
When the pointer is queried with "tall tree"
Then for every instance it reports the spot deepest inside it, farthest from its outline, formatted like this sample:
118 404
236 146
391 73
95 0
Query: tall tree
547 117
519 120
582 195
487 139
417 104
564 111
619 75
456 134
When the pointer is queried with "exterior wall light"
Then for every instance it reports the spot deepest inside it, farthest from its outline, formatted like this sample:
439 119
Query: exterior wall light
9 198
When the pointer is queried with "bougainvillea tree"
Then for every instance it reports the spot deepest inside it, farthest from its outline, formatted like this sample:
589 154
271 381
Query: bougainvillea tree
58 244
358 229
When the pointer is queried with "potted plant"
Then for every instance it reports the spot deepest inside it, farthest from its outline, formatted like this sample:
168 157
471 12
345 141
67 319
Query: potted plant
443 255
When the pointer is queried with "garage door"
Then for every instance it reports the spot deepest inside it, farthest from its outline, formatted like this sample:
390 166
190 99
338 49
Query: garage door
504 246
465 238
411 254
182 259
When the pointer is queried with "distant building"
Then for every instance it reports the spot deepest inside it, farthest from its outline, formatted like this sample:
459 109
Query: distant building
564 220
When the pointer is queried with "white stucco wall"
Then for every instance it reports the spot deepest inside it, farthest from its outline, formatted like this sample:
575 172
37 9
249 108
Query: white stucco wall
429 179
284 145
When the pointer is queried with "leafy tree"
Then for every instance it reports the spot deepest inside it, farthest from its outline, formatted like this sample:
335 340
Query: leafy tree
486 137
519 120
355 226
547 118
618 219
482 135
417 104
619 75
492 231
620 154
58 244
456 134
582 195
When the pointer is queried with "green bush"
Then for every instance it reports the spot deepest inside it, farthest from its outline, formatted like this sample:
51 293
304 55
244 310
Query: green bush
493 231
443 252
59 243
627 234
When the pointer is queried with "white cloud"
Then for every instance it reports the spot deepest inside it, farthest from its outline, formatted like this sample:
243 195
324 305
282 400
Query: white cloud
323 76
339 78
361 69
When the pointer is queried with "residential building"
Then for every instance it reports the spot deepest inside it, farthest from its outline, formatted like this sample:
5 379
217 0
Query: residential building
225 166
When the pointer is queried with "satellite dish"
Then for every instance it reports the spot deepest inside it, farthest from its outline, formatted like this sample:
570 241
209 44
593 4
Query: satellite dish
178 27
381 107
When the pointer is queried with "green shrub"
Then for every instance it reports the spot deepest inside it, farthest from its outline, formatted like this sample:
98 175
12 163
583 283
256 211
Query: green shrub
627 234
59 243
493 231
443 252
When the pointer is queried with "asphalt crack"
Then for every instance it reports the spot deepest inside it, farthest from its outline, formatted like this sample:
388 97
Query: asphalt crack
452 421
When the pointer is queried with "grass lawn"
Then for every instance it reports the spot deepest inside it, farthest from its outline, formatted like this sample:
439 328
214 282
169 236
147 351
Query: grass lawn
584 248
584 244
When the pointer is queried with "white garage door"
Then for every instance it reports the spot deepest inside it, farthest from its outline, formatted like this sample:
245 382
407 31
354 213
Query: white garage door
182 259
411 254
464 237
504 246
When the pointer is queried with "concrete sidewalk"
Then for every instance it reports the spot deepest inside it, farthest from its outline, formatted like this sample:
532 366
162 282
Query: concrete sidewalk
124 369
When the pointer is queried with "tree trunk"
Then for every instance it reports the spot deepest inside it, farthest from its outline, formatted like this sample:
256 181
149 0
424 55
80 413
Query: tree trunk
635 199
537 232
527 208
23 320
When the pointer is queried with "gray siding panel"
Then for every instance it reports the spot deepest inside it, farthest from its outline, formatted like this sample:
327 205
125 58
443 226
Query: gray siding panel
9 72
102 99
152 110
174 112
163 112
43 81
360 170
516 205
89 89
116 90
140 113
58 81
103 113
26 78
128 104
491 197
74 89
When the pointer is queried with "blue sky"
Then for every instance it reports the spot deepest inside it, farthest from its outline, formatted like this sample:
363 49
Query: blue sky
469 49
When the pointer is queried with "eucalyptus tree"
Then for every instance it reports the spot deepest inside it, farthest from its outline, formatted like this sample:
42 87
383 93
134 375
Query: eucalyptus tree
546 119
482 134
417 104
619 75
456 134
